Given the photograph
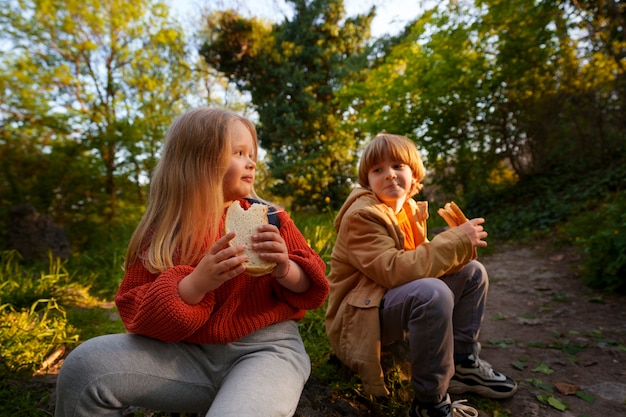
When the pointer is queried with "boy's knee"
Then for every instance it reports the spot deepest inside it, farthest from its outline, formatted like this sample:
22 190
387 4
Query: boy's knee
436 295
478 273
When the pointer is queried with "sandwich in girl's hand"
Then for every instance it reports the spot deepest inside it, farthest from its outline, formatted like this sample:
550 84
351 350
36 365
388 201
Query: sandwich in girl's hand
245 223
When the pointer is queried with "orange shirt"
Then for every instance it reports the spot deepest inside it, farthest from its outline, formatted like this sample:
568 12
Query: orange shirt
407 229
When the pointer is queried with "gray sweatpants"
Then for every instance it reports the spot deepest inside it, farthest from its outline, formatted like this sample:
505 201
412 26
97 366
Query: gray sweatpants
440 317
262 374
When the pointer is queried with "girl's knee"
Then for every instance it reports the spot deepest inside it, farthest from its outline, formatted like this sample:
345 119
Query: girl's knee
90 359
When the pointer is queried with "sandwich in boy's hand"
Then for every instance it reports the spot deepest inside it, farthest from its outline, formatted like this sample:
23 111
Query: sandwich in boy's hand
245 223
452 214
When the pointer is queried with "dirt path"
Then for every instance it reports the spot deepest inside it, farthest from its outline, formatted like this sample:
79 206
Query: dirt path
548 331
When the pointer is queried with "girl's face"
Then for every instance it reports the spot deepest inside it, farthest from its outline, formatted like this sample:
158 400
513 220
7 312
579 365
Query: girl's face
239 179
391 181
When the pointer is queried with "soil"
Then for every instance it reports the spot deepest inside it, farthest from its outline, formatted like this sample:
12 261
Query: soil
564 336
562 342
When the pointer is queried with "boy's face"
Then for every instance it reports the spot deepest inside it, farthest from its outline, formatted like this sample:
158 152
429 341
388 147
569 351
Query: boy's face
391 181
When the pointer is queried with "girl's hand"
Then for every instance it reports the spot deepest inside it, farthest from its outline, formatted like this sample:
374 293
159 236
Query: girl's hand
271 247
221 263
475 231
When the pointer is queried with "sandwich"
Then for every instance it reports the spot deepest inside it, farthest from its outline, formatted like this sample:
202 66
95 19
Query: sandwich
245 223
452 214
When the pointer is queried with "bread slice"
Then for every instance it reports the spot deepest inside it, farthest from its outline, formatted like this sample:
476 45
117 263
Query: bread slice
452 214
245 223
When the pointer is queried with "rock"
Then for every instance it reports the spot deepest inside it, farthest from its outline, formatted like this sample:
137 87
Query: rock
612 391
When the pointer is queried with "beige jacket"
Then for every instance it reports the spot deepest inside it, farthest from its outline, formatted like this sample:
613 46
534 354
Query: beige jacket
369 258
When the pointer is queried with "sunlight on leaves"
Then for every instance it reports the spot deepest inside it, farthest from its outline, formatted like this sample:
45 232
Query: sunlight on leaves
544 369
539 384
553 402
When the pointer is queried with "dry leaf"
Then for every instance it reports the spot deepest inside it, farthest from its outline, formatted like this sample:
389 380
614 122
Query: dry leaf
566 389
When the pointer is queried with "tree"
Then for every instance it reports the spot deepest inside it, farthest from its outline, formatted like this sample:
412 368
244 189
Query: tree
293 70
428 85
488 86
604 22
89 88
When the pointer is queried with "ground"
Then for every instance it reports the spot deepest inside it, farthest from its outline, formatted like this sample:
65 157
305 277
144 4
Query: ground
544 328
562 342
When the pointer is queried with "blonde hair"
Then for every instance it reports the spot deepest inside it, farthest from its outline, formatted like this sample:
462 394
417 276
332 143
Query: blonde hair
186 199
394 148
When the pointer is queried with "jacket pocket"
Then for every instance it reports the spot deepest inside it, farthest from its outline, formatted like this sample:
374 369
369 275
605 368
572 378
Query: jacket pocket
360 333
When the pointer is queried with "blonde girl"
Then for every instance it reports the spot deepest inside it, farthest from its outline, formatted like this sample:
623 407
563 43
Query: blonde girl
202 335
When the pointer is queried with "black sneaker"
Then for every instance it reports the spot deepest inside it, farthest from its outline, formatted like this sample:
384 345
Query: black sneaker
443 409
477 376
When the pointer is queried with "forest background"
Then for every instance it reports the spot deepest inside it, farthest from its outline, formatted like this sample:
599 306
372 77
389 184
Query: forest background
518 107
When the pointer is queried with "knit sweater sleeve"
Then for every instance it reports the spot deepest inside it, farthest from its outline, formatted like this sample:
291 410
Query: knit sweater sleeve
149 304
301 253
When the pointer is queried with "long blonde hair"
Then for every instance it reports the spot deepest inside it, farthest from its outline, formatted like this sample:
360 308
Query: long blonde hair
395 148
186 199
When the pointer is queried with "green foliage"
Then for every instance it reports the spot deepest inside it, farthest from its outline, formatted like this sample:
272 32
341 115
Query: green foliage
600 231
33 320
100 261
539 204
94 321
314 337
486 84
588 212
293 70
19 398
88 89
29 336
319 231
21 287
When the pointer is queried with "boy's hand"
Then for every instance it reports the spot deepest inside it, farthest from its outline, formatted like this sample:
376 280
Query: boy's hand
475 231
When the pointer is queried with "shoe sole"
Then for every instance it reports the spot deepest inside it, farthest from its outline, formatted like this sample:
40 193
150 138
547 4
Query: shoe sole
457 388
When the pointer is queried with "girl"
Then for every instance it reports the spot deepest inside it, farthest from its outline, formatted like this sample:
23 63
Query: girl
388 281
203 335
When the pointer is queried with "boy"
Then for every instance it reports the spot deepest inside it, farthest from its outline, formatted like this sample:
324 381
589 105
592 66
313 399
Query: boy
389 282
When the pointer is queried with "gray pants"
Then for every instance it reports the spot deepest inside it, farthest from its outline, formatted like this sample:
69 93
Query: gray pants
262 374
440 318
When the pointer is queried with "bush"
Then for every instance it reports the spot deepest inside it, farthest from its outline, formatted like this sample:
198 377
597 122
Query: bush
539 204
600 232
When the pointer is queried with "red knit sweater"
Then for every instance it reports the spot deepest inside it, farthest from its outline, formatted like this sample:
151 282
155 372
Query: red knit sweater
149 304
